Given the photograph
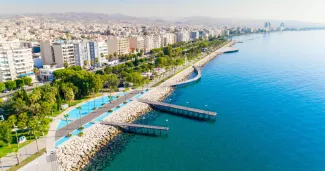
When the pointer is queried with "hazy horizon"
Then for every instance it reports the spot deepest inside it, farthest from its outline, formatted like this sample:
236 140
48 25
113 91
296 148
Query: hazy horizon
294 10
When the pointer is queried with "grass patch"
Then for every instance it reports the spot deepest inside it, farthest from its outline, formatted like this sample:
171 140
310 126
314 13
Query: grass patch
6 149
27 160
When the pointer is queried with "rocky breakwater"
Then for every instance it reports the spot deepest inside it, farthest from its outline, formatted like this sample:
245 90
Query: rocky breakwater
81 152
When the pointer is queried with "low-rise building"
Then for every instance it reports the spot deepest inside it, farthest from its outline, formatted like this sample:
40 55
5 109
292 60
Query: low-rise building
46 73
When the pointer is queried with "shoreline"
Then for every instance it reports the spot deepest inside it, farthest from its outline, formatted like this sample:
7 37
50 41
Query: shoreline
78 153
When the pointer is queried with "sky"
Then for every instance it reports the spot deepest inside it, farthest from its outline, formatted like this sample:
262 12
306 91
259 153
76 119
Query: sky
298 10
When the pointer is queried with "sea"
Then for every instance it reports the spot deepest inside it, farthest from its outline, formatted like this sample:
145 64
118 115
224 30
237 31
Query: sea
270 104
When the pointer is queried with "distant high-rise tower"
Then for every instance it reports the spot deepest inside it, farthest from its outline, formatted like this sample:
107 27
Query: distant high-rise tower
267 26
282 27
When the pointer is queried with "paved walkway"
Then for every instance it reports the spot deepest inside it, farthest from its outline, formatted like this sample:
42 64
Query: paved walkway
93 115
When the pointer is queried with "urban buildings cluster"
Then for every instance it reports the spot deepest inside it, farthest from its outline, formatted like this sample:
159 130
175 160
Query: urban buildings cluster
27 43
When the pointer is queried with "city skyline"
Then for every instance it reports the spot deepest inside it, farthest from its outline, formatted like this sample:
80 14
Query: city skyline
172 10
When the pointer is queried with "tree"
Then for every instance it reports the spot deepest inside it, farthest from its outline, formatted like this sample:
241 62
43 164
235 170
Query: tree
5 132
19 83
112 80
115 54
22 120
36 71
35 96
92 62
135 78
19 105
66 116
2 86
85 63
79 108
69 95
27 80
33 125
66 65
161 62
10 85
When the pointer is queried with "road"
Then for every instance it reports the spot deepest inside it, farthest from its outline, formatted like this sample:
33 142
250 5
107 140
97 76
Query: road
27 88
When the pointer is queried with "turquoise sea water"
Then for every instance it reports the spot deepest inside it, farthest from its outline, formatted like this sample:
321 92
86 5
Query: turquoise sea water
270 100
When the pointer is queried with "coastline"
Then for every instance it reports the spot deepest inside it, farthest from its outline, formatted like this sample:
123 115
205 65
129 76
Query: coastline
76 154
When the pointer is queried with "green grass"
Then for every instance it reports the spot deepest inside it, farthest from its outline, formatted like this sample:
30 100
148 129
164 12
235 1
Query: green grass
6 149
27 160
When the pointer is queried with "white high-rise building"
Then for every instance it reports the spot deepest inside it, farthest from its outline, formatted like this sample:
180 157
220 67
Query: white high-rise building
156 41
148 43
64 53
81 52
183 37
102 52
15 62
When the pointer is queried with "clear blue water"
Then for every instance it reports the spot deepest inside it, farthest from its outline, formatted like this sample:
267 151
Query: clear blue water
85 109
63 123
90 104
270 100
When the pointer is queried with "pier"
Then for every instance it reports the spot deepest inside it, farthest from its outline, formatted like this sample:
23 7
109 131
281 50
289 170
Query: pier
181 110
228 50
197 70
137 128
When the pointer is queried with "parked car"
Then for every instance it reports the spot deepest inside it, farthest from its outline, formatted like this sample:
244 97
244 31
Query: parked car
5 91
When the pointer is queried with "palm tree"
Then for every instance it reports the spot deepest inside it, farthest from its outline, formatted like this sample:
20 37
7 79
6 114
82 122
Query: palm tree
66 116
125 90
79 108
110 56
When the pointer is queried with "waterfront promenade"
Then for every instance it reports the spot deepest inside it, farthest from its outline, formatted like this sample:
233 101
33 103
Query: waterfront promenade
155 94
91 116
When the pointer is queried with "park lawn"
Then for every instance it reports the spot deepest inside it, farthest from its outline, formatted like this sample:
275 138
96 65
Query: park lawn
13 146
6 149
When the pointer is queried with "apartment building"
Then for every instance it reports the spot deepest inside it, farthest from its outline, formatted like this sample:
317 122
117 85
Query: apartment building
156 41
148 43
194 35
102 52
47 52
136 43
118 45
182 37
64 53
15 62
81 53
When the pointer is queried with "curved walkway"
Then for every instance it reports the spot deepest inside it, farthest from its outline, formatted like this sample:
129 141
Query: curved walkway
190 81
